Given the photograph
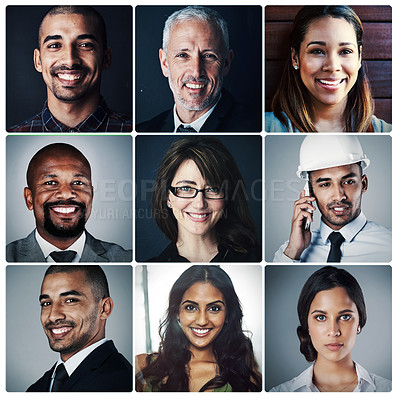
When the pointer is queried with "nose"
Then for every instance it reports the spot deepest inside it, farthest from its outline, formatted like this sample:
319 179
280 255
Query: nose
201 318
332 63
196 66
65 191
339 193
70 56
334 329
199 201
56 313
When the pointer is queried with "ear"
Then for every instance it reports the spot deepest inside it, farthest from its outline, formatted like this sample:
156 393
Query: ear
106 308
37 60
27 194
107 61
294 57
360 57
364 183
227 62
163 62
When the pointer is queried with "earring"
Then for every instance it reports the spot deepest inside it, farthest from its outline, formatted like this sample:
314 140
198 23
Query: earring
178 322
295 67
169 205
359 330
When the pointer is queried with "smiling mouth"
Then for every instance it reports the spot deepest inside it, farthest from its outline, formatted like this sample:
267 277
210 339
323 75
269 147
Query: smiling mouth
330 83
200 331
65 211
195 85
339 210
60 332
201 217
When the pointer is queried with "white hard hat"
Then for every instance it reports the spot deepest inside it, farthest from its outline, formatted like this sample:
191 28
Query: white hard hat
327 151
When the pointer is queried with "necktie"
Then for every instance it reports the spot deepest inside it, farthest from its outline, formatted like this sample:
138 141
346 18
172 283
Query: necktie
183 128
336 239
63 256
60 377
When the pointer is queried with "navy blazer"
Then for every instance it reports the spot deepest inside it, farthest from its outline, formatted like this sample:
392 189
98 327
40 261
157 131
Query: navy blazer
103 370
28 250
227 116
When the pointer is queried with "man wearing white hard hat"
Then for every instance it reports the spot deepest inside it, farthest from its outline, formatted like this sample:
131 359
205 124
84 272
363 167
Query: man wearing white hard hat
332 167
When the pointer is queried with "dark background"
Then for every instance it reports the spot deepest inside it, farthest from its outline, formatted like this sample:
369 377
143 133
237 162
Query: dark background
153 94
25 88
149 152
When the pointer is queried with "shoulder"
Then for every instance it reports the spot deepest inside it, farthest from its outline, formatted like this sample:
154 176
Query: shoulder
273 124
26 246
370 382
33 124
109 250
170 253
42 384
119 122
382 384
141 361
156 123
300 383
380 126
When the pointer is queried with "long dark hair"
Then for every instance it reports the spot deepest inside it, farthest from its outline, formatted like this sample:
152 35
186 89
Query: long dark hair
235 229
233 351
324 279
292 99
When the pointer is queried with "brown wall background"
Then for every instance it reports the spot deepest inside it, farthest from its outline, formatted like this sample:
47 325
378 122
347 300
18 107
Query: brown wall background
377 53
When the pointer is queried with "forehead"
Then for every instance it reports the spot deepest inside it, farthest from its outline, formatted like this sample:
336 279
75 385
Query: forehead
195 32
329 29
336 298
202 292
188 170
55 284
335 172
68 24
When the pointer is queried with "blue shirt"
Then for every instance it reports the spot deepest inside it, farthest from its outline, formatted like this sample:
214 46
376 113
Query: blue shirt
273 124
367 382
365 241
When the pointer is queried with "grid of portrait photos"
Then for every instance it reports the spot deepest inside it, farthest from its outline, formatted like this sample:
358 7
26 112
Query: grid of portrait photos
198 198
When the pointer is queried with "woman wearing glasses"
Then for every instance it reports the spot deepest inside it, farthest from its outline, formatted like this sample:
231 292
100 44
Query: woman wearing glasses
199 203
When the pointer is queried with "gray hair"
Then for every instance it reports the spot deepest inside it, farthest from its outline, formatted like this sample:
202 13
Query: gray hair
196 13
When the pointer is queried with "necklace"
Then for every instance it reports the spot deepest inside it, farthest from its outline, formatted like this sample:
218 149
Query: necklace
324 390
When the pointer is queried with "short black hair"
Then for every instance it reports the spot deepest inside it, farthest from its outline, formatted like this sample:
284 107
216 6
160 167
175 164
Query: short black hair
86 11
95 276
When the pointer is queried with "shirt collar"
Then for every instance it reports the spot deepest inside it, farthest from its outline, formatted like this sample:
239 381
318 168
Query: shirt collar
90 124
47 247
348 231
198 123
363 375
72 363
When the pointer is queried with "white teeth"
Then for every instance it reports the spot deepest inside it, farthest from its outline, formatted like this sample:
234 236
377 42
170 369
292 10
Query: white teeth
69 77
200 331
194 85
331 83
64 210
197 215
339 208
60 330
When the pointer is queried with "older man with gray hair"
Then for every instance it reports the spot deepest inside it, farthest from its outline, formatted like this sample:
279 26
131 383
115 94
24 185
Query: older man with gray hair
195 56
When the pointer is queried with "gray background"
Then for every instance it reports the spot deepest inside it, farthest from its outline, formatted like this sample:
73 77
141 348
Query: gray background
283 284
247 153
283 187
26 90
28 354
111 171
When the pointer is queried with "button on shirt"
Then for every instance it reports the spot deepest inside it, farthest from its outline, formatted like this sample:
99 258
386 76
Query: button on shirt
367 382
72 363
365 241
48 248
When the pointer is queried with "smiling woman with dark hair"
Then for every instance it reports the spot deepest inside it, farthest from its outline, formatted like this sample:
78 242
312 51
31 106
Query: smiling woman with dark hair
332 313
203 346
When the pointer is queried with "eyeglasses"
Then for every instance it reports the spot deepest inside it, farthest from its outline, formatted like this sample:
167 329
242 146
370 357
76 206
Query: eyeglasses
189 192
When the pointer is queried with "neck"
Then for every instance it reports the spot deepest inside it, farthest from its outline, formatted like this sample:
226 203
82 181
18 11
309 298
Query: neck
329 118
202 355
72 113
197 248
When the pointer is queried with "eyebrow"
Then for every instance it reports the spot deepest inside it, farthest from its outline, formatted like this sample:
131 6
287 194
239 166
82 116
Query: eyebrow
321 43
350 175
79 37
56 176
63 294
340 312
209 304
184 181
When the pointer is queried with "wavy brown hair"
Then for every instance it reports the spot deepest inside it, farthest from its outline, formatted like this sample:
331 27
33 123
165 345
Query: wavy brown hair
235 229
292 99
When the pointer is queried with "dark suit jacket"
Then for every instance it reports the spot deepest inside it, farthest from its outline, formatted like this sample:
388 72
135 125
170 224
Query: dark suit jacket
228 116
28 250
103 370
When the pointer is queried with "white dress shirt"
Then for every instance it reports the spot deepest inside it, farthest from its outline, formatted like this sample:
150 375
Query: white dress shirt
367 382
48 248
365 241
72 363
198 123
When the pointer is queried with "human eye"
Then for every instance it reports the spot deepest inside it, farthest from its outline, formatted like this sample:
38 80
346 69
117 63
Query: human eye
87 45
53 45
324 185
214 190
44 304
50 183
349 182
215 308
190 307
71 300
78 183
346 317
317 51
210 56
346 51
320 317
182 55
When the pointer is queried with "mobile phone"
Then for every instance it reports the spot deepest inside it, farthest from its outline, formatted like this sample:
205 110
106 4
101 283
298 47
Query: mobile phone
307 193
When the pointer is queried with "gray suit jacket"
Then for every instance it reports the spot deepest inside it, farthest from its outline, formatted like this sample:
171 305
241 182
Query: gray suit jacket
28 250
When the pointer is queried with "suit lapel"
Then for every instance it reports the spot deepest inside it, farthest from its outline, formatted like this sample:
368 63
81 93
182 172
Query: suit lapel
93 250
219 114
30 250
168 122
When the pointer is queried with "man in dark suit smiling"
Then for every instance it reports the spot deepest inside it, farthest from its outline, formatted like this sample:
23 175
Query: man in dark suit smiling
75 304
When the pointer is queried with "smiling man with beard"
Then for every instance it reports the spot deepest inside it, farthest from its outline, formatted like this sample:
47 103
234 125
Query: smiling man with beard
60 194
75 305
71 55
332 166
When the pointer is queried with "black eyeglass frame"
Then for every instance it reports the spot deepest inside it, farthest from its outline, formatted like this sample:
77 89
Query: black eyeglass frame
173 189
